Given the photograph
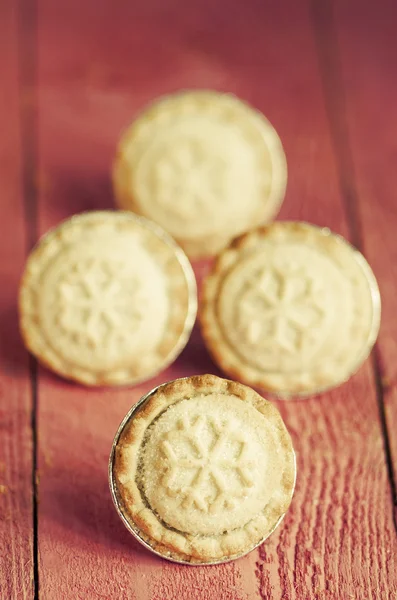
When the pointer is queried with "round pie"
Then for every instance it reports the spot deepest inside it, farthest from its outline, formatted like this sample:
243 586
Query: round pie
202 470
290 308
107 298
204 165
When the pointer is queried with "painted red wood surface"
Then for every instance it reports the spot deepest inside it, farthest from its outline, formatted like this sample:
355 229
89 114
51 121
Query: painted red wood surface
97 65
16 519
371 87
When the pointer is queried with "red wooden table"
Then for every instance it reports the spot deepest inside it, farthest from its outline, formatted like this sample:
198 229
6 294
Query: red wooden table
72 75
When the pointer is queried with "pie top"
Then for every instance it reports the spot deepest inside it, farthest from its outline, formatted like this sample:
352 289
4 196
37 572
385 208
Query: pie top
291 308
204 165
203 470
107 298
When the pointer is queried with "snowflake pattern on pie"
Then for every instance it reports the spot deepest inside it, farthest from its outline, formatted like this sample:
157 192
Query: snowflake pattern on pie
281 310
194 178
186 181
207 474
98 302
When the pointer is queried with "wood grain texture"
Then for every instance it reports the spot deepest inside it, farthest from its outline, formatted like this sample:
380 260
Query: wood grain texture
98 64
370 85
16 534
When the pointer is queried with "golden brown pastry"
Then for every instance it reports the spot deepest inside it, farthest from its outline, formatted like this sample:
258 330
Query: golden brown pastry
202 469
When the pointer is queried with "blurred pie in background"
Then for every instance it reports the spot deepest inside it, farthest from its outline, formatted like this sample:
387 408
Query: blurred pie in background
107 298
204 165
291 308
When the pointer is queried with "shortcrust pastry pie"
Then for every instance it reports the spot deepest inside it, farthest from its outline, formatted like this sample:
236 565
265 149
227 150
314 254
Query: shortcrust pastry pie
107 298
290 308
206 166
202 469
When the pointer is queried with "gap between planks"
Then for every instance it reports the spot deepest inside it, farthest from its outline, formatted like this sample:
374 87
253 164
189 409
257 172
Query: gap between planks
27 48
335 103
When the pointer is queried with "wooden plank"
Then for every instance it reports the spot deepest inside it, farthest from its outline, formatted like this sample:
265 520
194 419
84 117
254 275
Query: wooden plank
339 528
368 49
16 519
346 50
